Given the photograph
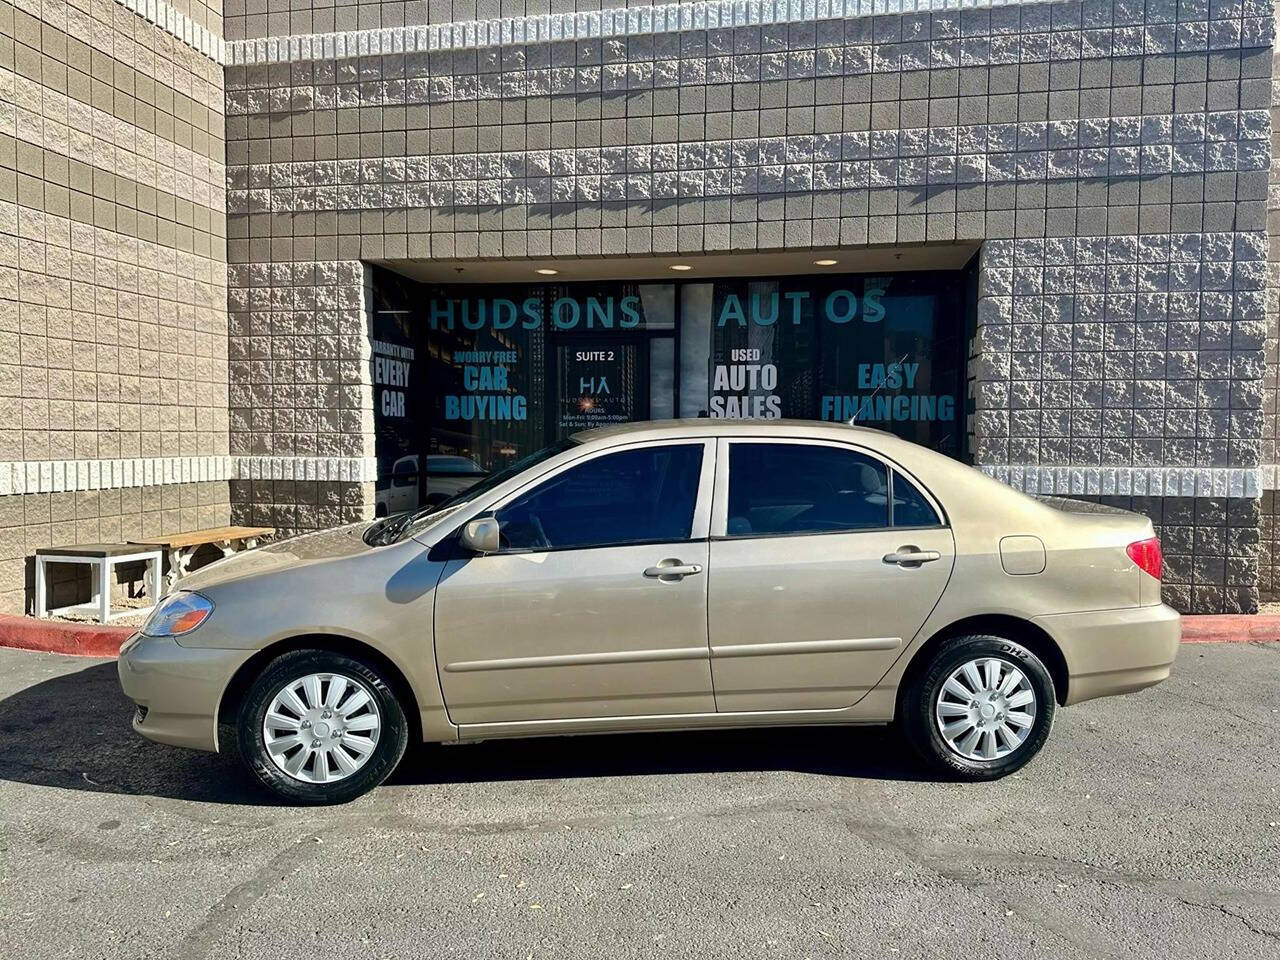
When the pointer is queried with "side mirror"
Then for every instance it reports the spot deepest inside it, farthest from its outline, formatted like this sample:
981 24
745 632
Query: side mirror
480 535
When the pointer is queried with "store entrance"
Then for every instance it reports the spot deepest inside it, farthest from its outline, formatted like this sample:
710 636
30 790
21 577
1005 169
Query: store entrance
597 380
470 378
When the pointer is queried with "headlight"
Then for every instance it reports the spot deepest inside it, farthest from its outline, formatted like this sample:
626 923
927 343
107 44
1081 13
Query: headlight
177 614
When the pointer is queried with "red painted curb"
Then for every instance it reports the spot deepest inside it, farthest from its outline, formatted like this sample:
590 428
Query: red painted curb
61 636
1231 628
97 640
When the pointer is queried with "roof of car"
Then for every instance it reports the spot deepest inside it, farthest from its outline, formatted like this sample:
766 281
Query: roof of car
702 426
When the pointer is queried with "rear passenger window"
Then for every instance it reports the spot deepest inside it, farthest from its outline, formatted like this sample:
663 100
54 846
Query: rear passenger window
779 488
910 508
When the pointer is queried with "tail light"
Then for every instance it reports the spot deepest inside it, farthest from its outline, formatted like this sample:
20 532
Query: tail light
1146 554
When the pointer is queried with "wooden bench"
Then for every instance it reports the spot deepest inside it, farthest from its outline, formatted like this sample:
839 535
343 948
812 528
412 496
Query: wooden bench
181 547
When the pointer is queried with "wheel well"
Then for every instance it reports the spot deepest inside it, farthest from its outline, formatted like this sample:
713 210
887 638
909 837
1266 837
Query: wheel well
1011 628
252 667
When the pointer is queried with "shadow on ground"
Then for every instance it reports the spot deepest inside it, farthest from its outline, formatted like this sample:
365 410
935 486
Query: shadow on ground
73 731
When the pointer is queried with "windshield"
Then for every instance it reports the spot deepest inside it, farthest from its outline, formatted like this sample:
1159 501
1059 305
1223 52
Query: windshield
396 528
506 473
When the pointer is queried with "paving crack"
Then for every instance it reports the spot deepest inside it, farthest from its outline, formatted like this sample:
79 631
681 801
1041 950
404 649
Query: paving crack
960 864
229 909
1249 924
962 872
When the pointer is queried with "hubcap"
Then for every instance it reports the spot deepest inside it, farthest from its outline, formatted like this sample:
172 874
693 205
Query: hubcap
986 709
322 727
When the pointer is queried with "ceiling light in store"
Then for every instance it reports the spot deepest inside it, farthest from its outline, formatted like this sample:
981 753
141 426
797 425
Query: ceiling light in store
546 271
828 262
681 267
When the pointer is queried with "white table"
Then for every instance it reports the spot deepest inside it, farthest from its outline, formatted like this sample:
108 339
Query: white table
101 558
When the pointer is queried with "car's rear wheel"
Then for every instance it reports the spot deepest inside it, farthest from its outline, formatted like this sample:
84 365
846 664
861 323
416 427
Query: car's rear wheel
320 727
980 709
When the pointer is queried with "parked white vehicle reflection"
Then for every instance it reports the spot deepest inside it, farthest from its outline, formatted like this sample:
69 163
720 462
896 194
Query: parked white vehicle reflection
447 476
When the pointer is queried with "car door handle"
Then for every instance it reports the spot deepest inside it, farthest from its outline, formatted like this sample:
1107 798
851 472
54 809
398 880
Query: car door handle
672 570
911 556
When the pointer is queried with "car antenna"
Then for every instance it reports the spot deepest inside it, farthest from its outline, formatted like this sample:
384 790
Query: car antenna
854 419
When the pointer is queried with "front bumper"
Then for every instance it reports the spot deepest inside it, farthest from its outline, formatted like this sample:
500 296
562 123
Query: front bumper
179 687
1115 651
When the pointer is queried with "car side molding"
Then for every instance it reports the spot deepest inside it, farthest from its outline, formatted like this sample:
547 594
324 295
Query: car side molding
805 646
578 659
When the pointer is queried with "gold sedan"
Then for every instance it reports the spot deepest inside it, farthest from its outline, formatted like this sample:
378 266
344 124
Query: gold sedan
680 575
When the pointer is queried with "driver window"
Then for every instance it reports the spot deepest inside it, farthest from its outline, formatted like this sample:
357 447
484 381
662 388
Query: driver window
645 495
781 488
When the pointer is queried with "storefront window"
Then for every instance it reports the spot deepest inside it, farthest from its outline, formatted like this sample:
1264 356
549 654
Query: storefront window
470 378
881 351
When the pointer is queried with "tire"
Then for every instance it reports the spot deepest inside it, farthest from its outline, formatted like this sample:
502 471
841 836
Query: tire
374 745
921 716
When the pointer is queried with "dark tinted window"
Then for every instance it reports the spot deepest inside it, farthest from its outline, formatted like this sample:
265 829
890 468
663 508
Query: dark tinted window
800 488
910 508
636 496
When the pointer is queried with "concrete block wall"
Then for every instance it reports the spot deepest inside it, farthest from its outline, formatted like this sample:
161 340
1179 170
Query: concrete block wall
1112 157
206 14
301 399
1131 367
1269 546
113 334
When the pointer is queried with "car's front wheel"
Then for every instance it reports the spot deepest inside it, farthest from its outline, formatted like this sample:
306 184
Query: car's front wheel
980 709
320 727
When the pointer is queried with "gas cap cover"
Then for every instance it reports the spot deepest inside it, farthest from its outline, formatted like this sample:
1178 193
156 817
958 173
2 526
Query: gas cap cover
1022 556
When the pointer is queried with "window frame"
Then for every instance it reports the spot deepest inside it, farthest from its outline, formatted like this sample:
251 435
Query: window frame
929 498
720 503
699 530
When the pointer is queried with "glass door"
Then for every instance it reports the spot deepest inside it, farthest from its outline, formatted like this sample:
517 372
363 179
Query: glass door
599 380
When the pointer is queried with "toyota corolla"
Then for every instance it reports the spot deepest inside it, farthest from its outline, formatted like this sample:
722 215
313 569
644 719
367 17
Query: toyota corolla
659 576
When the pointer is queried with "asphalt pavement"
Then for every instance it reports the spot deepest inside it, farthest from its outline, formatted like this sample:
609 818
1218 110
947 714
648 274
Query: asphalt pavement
1149 827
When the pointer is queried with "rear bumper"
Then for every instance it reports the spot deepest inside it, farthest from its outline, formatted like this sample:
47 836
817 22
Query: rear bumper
180 687
1115 651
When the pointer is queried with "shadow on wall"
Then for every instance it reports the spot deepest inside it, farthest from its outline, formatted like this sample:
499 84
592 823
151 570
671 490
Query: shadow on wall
73 732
